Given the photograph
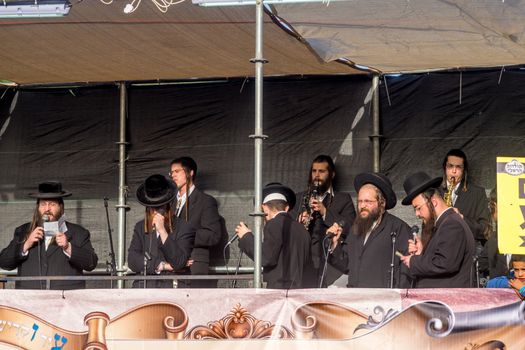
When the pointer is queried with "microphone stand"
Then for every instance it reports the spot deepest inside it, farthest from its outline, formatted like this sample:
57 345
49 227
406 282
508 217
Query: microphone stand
234 283
111 266
147 257
327 249
393 235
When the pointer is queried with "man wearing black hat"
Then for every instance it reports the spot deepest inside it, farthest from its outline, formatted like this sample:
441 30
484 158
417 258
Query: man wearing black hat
156 246
64 251
286 243
320 208
442 258
366 254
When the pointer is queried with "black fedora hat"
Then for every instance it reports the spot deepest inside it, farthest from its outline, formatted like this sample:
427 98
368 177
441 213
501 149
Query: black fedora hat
50 190
380 181
276 190
156 191
418 183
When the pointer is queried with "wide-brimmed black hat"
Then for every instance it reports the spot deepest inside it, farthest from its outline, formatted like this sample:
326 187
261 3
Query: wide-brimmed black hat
380 181
418 183
50 190
156 191
276 190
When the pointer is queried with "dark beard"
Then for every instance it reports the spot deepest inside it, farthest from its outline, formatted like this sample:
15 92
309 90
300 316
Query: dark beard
429 227
362 225
321 186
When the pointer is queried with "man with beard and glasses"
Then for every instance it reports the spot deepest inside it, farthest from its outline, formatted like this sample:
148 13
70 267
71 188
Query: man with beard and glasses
366 254
443 257
66 252
320 208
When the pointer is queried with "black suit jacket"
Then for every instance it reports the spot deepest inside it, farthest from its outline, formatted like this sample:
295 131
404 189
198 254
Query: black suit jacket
204 217
447 260
176 250
285 252
50 262
473 205
368 265
339 207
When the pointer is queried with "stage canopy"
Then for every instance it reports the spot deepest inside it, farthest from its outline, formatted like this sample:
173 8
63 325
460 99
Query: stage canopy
98 42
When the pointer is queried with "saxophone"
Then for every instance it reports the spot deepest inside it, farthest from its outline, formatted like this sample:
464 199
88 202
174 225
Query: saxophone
448 195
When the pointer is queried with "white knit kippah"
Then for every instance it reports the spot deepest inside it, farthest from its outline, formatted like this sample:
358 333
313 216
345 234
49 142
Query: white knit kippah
274 196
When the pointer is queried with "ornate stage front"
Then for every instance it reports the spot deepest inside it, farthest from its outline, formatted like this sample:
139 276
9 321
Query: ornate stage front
262 319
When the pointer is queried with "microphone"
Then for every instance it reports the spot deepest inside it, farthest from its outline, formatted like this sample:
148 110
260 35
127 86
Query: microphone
415 230
44 218
231 240
341 224
161 211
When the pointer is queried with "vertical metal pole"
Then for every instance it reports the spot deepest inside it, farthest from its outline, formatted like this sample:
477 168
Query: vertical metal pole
258 142
122 188
376 137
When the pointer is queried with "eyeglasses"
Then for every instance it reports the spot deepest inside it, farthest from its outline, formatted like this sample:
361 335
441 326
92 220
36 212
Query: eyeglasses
455 166
366 202
418 208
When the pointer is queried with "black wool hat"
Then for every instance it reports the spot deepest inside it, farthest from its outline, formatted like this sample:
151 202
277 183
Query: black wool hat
50 190
156 191
418 183
380 181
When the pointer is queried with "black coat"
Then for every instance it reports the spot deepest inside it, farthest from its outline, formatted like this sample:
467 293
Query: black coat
176 250
339 208
285 252
50 262
210 234
447 260
473 204
368 265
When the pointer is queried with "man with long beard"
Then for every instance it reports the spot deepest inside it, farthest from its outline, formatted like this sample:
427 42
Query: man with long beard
443 257
366 254
320 208
38 253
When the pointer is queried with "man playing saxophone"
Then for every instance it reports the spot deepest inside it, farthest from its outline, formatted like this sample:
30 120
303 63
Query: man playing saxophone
320 208
467 199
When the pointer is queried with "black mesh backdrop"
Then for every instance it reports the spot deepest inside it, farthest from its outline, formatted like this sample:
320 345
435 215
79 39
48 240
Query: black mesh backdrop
426 119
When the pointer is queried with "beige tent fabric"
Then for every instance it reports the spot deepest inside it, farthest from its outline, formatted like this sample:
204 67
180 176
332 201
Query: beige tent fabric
99 43
413 35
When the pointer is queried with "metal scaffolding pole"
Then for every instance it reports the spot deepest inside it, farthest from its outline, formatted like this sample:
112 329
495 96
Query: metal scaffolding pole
258 138
122 207
376 136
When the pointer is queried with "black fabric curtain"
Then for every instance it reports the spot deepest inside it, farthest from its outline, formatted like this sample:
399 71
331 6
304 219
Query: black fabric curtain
482 113
70 134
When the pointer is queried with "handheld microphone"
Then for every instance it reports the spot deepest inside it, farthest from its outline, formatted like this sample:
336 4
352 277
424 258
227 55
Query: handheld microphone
341 224
161 211
45 218
231 240
415 230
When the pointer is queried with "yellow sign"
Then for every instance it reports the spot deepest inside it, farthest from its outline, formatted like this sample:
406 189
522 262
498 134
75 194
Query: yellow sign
511 205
